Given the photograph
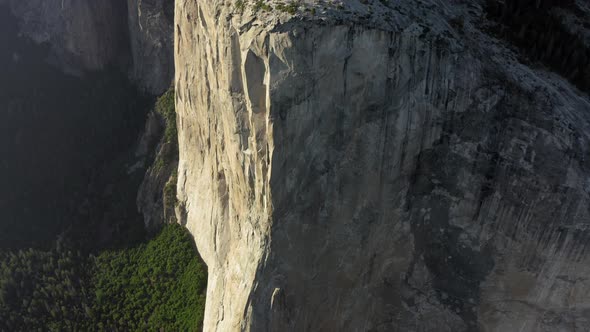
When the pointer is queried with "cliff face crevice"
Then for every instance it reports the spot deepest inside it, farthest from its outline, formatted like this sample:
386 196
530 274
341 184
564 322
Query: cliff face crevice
353 175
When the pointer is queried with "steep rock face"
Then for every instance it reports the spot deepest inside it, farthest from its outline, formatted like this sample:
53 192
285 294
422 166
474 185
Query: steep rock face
224 165
372 168
84 35
151 27
157 195
149 196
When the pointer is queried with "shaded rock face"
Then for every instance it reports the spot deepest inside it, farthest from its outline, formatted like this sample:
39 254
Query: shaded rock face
552 32
149 196
151 27
84 35
135 36
67 144
339 175
157 194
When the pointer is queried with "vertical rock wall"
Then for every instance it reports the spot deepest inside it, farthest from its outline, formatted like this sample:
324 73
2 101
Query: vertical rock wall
225 148
352 175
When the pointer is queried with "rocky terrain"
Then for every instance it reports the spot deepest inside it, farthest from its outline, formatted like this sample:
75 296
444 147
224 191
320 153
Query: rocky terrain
386 165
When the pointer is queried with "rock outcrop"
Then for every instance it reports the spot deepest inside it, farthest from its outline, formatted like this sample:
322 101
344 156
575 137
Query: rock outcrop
157 194
379 166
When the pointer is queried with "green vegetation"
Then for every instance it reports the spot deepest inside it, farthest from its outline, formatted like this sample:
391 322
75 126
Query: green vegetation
42 291
262 5
166 108
166 161
240 5
170 199
290 8
158 286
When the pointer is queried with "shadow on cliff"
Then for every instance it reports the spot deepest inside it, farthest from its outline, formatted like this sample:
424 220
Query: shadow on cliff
67 147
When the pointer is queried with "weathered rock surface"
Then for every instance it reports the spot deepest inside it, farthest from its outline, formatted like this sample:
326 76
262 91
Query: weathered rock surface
362 167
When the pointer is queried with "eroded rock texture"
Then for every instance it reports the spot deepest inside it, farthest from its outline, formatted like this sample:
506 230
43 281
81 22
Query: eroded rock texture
365 167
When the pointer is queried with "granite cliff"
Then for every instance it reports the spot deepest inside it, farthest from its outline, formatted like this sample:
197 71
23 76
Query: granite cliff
386 165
